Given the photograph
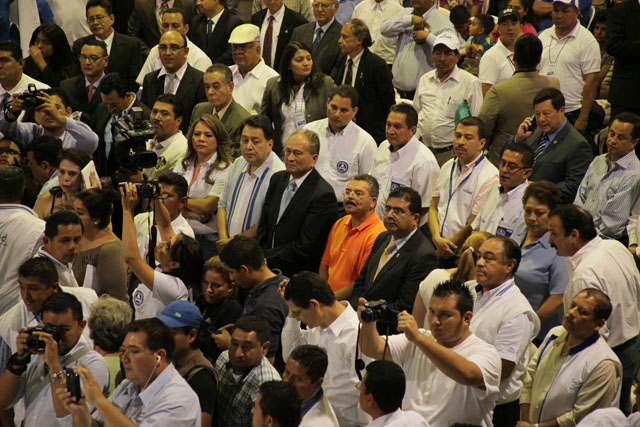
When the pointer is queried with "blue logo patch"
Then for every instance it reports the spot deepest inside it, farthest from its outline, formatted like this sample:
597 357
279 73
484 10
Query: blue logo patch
395 185
138 298
342 167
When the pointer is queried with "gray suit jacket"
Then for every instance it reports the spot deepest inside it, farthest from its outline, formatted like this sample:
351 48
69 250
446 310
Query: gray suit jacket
328 53
232 119
507 104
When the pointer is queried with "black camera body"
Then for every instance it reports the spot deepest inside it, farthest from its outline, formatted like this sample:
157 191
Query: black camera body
379 311
34 343
73 384
147 190
30 99
130 135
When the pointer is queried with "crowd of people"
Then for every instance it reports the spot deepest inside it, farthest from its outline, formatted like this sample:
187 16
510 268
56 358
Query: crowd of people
338 213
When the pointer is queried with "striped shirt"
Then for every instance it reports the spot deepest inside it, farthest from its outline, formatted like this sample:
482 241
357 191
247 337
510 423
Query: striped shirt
612 196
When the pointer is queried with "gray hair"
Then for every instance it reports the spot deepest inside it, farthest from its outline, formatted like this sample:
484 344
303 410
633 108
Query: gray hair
108 322
311 136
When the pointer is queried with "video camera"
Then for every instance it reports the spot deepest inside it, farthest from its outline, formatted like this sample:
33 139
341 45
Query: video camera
30 99
379 311
130 135
147 190
34 343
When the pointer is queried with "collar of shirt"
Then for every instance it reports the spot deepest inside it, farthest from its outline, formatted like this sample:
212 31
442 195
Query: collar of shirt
260 170
453 76
96 84
386 418
400 242
300 180
108 41
216 17
276 16
406 149
572 34
543 241
515 192
561 337
256 72
342 321
574 261
205 166
552 135
179 73
44 254
507 53
4 207
356 61
378 6
371 219
163 145
497 291
469 166
222 112
266 283
626 161
431 11
14 89
133 101
148 395
80 345
348 129
326 26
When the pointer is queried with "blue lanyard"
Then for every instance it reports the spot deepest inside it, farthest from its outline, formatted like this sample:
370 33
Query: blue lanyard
452 191
307 406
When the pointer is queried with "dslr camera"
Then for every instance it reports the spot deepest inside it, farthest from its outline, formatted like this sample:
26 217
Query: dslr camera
130 135
147 190
30 99
34 343
379 311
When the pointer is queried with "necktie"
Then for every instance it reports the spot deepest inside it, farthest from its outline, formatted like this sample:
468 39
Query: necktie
268 35
90 92
209 26
316 42
542 144
348 78
386 256
171 84
287 196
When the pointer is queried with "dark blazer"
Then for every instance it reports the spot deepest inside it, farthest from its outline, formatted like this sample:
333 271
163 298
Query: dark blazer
143 22
232 119
77 94
126 57
215 45
189 93
327 55
564 162
297 241
107 166
623 42
290 21
375 93
400 277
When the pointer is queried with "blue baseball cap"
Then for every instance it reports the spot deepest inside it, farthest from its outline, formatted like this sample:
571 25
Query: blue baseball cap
179 314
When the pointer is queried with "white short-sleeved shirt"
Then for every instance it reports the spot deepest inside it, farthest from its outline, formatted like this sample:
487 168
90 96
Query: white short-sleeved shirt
143 223
496 65
196 58
248 90
413 165
570 60
501 212
169 152
343 155
431 393
166 289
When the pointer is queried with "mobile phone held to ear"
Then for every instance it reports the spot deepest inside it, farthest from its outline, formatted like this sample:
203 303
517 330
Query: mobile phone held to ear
533 124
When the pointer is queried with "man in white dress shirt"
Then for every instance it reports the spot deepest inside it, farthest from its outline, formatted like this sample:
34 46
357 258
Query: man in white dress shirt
333 326
61 244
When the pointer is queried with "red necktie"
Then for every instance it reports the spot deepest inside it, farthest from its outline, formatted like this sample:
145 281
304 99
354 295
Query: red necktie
90 93
268 35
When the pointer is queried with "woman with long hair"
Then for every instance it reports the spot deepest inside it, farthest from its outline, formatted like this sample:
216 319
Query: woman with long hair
50 58
205 166
298 96
530 22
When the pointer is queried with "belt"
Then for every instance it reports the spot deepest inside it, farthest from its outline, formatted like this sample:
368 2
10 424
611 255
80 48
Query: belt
622 347
440 150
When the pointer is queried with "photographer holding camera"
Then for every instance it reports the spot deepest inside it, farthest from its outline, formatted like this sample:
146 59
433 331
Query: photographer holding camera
59 344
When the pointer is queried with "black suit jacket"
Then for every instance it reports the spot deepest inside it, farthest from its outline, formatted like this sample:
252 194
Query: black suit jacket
375 93
77 94
297 241
327 55
143 22
564 162
215 45
290 21
126 57
400 277
623 42
189 93
107 166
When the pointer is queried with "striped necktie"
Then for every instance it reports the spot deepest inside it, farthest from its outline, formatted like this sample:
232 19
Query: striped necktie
542 144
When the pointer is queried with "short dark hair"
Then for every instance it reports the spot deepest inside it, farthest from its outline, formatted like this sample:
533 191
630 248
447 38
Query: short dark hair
599 18
510 250
631 118
159 336
105 4
410 113
60 218
345 91
242 250
550 94
312 138
188 253
280 400
11 183
527 51
575 218
111 82
42 268
99 205
374 187
224 70
171 99
524 150
54 91
545 192
254 324
361 31
178 11
259 121
459 15
60 303
307 285
177 181
313 358
386 381
45 148
76 156
603 307
486 22
11 47
97 43
410 195
464 300
477 122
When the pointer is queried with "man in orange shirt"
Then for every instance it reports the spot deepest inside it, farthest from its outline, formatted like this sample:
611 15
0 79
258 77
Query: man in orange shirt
352 236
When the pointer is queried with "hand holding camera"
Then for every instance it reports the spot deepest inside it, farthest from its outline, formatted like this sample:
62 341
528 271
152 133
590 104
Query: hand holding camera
407 324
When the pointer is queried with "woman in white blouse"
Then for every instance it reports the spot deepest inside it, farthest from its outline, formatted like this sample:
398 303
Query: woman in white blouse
205 167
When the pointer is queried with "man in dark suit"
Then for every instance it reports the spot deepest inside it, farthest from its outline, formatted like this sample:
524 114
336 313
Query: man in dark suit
175 76
322 36
210 30
144 19
275 16
81 91
218 86
401 257
299 209
561 154
126 54
369 74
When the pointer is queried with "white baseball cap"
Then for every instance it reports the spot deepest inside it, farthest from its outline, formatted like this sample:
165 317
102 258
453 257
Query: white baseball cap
245 33
447 39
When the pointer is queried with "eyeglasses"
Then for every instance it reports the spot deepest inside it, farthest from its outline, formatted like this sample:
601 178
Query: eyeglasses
97 18
242 47
171 47
394 211
92 58
511 167
323 6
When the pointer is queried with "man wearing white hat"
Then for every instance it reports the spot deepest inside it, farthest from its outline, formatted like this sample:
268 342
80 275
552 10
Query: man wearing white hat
250 73
440 93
